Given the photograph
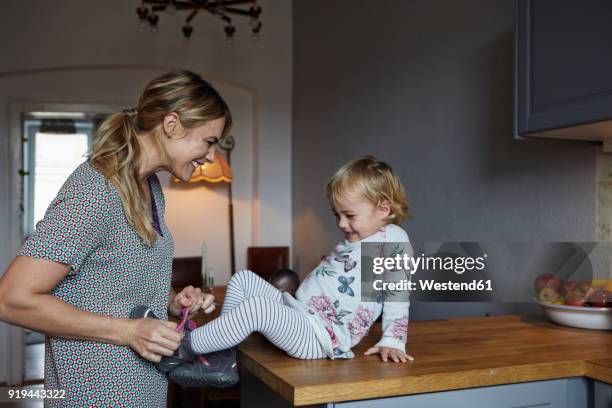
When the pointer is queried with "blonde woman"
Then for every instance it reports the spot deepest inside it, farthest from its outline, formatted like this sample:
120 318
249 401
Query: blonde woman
103 248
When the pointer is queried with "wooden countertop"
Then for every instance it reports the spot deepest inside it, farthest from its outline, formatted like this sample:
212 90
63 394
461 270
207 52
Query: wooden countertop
600 370
449 354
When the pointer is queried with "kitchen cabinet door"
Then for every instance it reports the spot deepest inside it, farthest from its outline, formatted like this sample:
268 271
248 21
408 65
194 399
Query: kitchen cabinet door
602 395
563 67
550 394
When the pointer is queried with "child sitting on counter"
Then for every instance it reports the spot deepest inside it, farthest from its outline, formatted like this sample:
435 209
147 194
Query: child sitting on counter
326 316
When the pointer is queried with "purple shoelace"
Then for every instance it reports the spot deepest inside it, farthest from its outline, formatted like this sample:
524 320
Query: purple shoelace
191 325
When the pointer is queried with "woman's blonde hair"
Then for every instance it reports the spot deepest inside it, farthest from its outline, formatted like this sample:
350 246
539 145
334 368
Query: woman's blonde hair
373 180
116 152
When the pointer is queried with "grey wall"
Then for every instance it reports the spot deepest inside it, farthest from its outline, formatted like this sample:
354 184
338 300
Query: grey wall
428 87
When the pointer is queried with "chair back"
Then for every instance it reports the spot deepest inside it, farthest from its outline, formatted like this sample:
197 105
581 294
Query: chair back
264 261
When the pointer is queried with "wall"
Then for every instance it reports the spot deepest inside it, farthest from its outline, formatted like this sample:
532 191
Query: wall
92 52
78 37
428 87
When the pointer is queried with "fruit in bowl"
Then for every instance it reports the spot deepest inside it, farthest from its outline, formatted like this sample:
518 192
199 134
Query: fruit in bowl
605 284
571 286
601 298
547 280
565 302
584 287
567 287
575 298
548 295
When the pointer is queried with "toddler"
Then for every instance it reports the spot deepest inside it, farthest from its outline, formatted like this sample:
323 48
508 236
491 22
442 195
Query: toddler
327 317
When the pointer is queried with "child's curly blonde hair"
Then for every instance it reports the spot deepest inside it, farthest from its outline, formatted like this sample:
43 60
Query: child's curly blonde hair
373 180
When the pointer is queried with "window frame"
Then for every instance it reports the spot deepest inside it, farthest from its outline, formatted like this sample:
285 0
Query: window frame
31 126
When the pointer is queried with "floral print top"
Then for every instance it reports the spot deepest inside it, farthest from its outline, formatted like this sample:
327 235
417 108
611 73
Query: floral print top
330 297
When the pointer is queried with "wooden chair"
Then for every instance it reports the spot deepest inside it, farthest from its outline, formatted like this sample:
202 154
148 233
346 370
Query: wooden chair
264 261
186 271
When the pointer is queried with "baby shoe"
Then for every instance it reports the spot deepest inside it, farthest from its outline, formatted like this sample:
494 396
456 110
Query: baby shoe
218 370
186 368
184 354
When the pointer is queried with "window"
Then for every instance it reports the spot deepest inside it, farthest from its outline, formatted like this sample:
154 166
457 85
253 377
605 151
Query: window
52 148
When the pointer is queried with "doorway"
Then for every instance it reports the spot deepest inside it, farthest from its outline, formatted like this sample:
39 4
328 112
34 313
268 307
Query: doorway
53 145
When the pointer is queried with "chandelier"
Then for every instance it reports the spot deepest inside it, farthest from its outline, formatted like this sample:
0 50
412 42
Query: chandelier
149 10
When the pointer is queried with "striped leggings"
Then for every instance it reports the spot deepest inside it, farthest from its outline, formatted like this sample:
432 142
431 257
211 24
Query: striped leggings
254 305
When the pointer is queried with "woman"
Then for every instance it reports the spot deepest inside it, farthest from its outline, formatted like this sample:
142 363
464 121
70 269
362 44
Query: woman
103 248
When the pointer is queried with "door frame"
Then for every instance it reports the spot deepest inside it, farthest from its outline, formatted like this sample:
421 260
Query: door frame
14 336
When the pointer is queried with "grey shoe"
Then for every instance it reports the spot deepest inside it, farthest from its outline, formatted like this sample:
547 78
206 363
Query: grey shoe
184 354
218 370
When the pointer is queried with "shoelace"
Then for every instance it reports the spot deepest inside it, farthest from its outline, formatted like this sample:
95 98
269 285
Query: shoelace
181 326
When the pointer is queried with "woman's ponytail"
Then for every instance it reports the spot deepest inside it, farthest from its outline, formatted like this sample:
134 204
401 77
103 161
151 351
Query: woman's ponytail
114 154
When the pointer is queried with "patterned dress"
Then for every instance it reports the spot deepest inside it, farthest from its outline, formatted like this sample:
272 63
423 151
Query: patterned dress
330 297
111 272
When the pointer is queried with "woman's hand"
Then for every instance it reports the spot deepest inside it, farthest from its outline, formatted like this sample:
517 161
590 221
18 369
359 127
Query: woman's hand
389 352
194 299
151 338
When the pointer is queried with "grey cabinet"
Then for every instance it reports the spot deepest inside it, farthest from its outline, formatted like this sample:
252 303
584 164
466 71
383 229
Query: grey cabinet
602 395
575 392
563 67
549 394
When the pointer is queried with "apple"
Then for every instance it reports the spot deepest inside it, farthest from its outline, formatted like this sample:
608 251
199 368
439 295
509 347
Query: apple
601 298
568 287
584 287
547 280
548 295
575 298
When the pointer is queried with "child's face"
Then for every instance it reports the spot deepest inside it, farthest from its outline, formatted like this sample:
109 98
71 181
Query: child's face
358 218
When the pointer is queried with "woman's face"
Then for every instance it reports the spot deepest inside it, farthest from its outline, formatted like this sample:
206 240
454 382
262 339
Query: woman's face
189 148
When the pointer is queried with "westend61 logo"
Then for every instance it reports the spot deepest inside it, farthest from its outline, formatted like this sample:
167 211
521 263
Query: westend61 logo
474 271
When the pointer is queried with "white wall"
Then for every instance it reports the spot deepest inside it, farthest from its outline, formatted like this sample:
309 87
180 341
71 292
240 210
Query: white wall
92 52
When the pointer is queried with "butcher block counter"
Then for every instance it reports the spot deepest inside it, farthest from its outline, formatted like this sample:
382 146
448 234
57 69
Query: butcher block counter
453 354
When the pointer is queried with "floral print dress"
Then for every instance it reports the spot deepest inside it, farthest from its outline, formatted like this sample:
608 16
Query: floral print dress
330 298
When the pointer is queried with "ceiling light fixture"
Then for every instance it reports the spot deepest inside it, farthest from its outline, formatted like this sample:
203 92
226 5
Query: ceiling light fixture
148 13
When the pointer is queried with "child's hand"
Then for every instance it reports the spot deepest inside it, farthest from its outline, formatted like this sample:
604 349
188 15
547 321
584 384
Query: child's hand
389 352
194 299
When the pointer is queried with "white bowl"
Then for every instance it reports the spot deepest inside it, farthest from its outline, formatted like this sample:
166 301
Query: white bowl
596 318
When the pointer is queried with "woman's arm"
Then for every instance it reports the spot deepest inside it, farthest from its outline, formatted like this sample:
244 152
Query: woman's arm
25 301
